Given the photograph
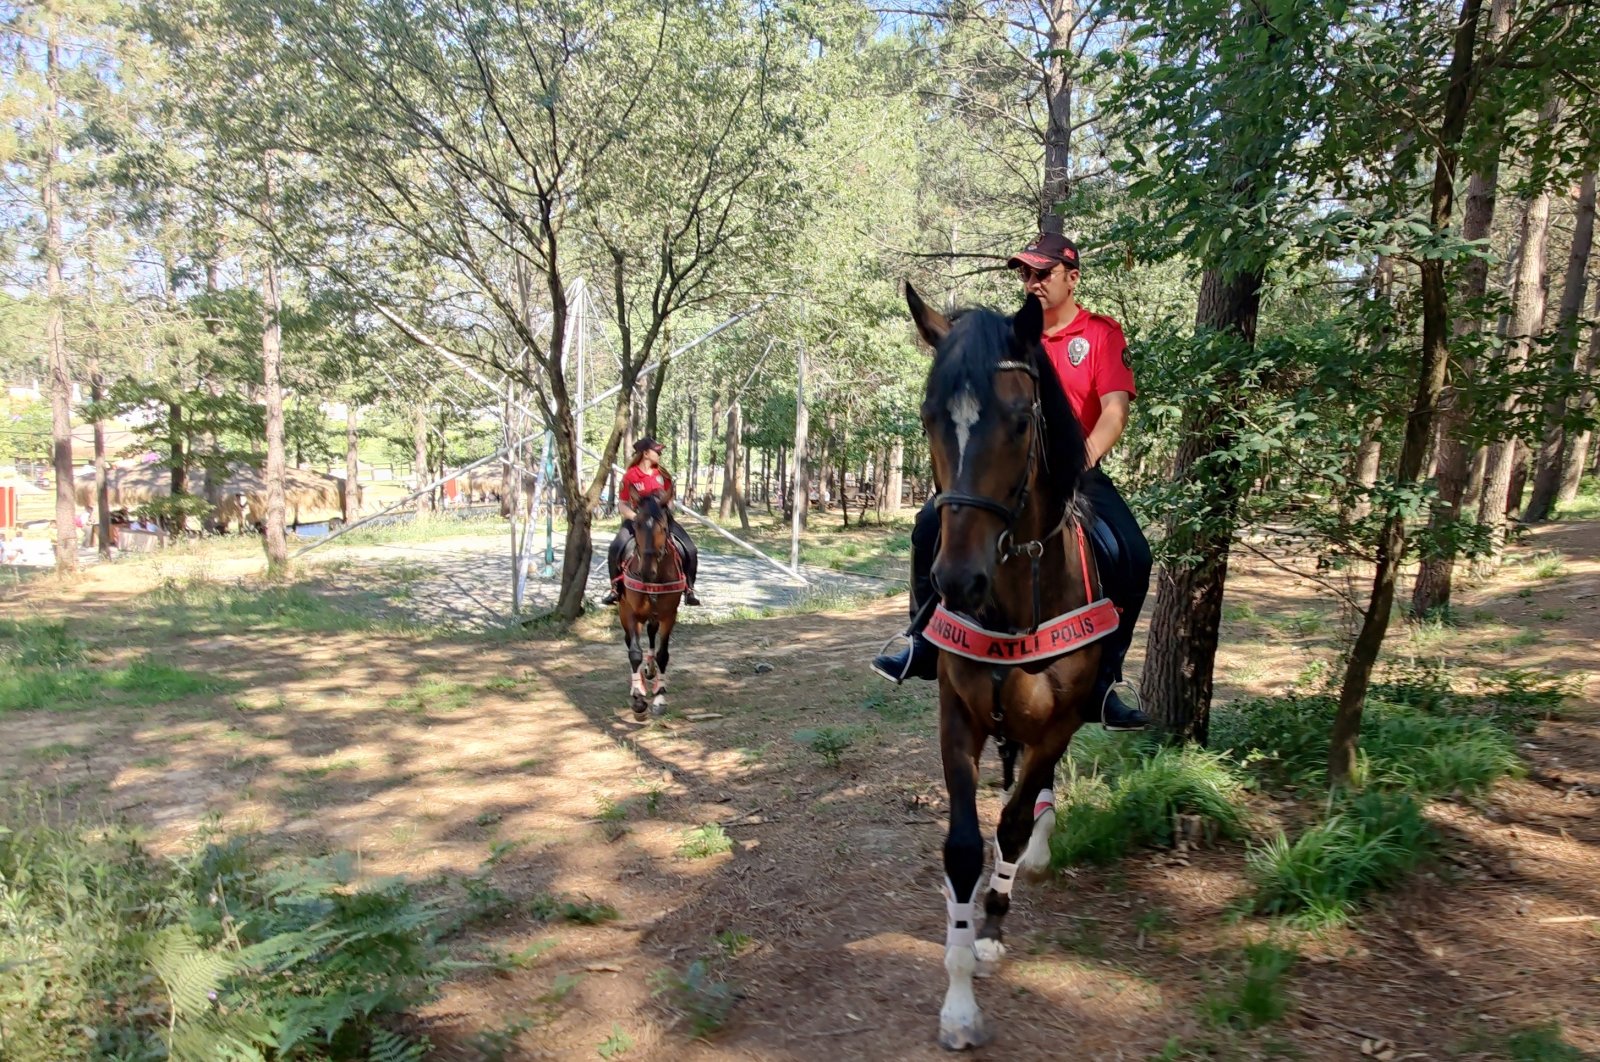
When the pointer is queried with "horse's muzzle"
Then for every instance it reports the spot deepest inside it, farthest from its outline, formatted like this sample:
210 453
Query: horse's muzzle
964 584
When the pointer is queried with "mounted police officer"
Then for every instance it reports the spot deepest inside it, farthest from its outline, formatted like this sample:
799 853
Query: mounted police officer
1091 359
646 476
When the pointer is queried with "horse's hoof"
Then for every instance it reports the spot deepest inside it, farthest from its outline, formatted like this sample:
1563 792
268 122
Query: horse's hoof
641 707
989 954
963 1037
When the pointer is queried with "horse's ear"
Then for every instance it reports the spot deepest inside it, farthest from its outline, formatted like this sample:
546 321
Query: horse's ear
931 324
1027 327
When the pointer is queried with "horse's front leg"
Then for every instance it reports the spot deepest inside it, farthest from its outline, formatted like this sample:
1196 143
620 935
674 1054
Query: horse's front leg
660 637
1022 843
960 1021
630 634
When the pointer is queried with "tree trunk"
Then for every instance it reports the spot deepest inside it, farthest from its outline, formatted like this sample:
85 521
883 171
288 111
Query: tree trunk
55 332
180 464
894 482
1577 454
694 450
352 466
1547 476
102 486
1527 319
1456 463
271 352
1364 474
730 463
1176 683
802 488
213 478
1419 424
419 455
1058 103
1521 468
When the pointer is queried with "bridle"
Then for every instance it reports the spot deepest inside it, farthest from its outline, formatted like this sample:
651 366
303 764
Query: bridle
1006 545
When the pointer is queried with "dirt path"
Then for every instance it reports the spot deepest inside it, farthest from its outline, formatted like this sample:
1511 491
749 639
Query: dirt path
434 755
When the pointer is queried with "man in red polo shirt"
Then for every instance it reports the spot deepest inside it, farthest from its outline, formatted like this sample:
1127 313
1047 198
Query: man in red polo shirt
1091 359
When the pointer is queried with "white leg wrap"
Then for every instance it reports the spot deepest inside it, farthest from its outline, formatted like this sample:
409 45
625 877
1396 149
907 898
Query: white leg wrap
1005 874
960 1021
961 926
1036 857
636 684
658 688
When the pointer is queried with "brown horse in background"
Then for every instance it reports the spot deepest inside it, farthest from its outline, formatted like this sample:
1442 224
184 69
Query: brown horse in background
1007 455
652 586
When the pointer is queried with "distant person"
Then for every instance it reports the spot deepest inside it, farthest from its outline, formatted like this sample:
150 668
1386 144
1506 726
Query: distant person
646 476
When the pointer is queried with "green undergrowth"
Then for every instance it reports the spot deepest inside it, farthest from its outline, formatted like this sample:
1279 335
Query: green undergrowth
110 951
1120 794
1369 842
202 605
1419 732
44 667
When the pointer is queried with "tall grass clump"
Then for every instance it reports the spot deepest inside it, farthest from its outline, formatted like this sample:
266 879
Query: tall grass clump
1370 842
1119 795
1412 738
108 951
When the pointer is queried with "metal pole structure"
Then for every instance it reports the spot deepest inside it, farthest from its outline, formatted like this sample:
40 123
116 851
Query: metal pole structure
581 333
654 365
802 489
751 378
549 569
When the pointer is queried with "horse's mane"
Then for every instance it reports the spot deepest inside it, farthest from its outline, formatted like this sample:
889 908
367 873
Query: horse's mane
970 356
650 509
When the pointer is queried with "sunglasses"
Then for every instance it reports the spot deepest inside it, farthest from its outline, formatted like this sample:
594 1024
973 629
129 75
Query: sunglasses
1028 273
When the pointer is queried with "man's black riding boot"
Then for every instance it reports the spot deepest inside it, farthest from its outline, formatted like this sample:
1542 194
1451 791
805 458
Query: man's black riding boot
1117 714
688 595
919 660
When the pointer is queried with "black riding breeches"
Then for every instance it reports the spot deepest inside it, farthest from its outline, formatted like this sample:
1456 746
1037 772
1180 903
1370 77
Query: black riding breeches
1120 548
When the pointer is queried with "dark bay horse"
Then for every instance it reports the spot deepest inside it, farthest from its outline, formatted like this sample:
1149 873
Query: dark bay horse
652 586
1020 612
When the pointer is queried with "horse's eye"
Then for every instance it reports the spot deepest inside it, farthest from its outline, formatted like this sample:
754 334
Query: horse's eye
1021 425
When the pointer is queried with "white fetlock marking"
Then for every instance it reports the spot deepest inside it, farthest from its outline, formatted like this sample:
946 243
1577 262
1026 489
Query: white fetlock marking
1036 857
989 952
960 1022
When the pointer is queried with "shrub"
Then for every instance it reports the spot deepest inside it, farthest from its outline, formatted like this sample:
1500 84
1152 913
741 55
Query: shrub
1257 995
1134 794
1370 842
108 951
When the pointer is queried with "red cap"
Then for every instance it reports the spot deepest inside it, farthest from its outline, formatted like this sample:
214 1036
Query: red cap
1046 250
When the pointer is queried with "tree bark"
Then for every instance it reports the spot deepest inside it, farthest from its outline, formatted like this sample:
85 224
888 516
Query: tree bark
102 485
802 487
1343 741
1576 456
1552 448
419 455
895 481
55 332
1364 474
1058 103
277 542
1527 319
352 465
1179 665
1456 464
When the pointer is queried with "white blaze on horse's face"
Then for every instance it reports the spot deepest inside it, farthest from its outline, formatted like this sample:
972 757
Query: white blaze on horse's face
964 413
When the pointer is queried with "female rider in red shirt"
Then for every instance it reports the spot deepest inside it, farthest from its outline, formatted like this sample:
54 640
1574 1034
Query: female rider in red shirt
646 476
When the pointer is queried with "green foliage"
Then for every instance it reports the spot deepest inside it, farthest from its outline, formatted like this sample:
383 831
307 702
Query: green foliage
1131 799
583 911
109 951
1368 844
1257 995
829 742
47 670
696 996
1414 737
704 841
615 1045
1542 1043
203 605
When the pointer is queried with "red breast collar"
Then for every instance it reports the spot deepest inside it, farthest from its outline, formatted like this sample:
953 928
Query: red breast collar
955 633
677 585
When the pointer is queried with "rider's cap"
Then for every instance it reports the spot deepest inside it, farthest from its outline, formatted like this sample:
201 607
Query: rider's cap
1046 250
647 443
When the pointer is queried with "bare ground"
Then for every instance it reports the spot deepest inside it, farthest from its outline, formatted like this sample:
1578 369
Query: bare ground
426 753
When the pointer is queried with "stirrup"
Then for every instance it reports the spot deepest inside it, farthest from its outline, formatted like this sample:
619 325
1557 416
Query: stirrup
911 656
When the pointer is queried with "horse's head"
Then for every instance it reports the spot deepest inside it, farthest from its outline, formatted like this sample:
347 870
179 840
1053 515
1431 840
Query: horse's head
990 394
651 531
